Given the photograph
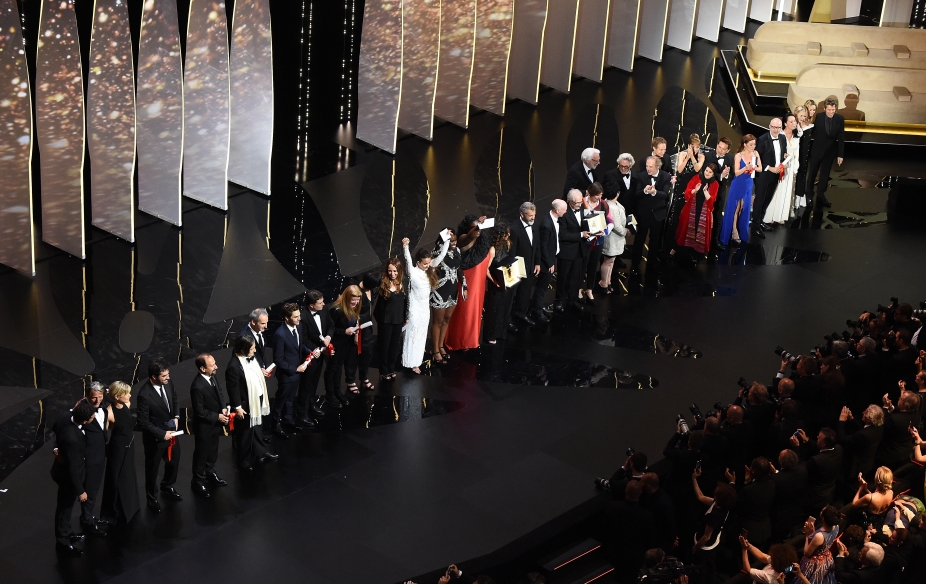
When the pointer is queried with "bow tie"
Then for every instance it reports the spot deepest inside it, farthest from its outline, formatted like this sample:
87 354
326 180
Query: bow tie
626 175
249 359
314 314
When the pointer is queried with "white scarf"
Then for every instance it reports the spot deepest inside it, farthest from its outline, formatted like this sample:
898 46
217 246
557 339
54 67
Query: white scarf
257 387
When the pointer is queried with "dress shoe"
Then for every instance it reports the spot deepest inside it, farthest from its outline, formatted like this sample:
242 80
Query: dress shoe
512 328
528 320
200 491
758 233
172 493
546 310
342 398
216 480
558 307
720 247
541 318
279 433
305 424
90 529
824 202
766 227
68 550
102 523
245 468
317 410
269 456
78 537
332 402
154 506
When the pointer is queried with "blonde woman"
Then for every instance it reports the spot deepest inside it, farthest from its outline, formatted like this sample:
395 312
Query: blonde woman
806 134
120 485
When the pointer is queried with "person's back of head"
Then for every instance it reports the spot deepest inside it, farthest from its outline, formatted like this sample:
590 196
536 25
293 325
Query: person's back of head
653 558
874 554
650 482
830 516
712 426
909 402
696 440
788 459
724 496
758 394
781 556
840 349
788 409
734 415
829 437
785 388
633 490
82 412
760 468
638 461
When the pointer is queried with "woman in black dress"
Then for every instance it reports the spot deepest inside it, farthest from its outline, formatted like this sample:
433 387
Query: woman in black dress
498 297
345 312
805 131
369 284
444 297
247 395
389 313
120 486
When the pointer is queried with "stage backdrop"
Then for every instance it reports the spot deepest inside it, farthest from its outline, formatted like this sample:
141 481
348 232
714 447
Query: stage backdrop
622 36
205 105
16 238
251 69
493 41
457 39
379 83
420 54
591 37
559 44
59 116
160 112
530 18
111 120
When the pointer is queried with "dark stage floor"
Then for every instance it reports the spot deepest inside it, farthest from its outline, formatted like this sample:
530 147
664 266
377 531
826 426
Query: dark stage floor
493 448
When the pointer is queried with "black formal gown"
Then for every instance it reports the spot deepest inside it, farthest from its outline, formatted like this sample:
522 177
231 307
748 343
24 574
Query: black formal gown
498 300
120 486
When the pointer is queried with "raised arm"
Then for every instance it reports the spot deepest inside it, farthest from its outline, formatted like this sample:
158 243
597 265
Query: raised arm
408 256
440 257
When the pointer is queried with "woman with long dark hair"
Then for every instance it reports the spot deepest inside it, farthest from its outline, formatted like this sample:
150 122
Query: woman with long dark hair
696 220
389 313
463 330
739 198
594 203
421 280
345 312
498 297
247 395
444 296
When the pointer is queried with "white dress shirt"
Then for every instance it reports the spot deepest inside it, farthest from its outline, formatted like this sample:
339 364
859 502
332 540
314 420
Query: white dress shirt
556 229
530 232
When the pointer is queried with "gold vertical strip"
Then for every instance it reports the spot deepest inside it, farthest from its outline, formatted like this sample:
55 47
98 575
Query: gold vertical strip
498 193
392 207
595 130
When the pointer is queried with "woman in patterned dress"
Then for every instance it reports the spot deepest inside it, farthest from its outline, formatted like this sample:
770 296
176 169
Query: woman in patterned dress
444 297
817 563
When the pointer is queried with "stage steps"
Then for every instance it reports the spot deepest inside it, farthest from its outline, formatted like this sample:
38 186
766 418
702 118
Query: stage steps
581 563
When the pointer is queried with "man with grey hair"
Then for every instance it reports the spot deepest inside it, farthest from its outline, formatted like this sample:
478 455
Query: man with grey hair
584 172
573 231
547 250
860 440
869 569
621 181
525 243
256 327
651 199
94 458
772 149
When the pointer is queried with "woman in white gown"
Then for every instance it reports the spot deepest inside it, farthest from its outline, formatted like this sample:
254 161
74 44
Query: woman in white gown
421 282
779 210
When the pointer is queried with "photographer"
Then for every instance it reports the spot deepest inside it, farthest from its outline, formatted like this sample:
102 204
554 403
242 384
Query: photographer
739 435
630 532
860 440
863 375
903 366
790 495
897 444
656 501
758 412
754 500
823 460
683 454
633 470
714 454
787 422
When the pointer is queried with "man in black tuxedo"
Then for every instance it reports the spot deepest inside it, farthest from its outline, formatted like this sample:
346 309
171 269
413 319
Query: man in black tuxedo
584 172
289 354
722 158
525 242
94 459
861 443
651 199
868 571
897 443
773 150
660 146
829 143
158 416
573 230
823 469
257 326
623 181
319 327
210 415
68 472
790 495
545 258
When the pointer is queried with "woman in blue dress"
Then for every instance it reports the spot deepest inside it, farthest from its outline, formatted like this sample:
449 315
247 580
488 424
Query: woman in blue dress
744 164
817 563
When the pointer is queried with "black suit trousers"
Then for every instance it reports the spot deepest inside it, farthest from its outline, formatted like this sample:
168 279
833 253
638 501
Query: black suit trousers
541 283
282 408
63 508
522 294
93 479
822 164
205 452
568 275
388 345
654 229
309 384
155 452
765 190
592 262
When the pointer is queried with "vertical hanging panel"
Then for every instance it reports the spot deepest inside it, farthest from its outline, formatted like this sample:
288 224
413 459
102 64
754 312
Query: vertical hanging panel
654 15
493 43
530 19
682 17
591 39
622 36
761 10
59 105
710 13
379 83
205 105
559 44
420 55
734 15
17 249
457 40
111 120
251 68
159 113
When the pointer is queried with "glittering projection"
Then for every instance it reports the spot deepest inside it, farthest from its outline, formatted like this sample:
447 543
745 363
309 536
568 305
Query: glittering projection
251 68
16 240
559 44
490 67
59 104
591 38
420 55
160 111
530 19
205 105
379 86
457 40
622 34
111 120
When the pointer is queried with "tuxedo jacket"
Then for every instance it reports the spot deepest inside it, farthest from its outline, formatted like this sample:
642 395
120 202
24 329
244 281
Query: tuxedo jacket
665 166
68 467
314 336
577 178
614 183
208 402
822 471
653 207
823 141
524 246
288 354
95 443
862 445
154 417
261 345
570 236
546 255
766 149
711 157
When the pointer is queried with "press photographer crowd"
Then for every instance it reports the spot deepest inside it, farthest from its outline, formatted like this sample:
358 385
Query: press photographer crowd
815 476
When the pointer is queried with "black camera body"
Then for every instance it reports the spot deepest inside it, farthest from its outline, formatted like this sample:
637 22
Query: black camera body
743 383
696 414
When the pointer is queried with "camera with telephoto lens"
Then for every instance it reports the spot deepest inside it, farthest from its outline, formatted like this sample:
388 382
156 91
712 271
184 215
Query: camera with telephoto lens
786 354
743 383
696 414
602 484
853 323
923 304
630 452
919 313
682 425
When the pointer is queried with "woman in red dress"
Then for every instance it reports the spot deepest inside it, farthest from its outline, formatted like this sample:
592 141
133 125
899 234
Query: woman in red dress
466 321
695 220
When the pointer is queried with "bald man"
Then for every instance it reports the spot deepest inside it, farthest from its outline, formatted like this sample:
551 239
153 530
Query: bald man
545 258
773 150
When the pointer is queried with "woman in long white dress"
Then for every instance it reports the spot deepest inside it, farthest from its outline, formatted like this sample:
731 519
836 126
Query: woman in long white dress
779 209
421 281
